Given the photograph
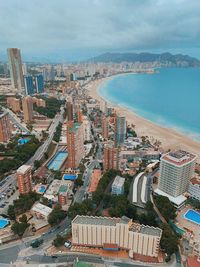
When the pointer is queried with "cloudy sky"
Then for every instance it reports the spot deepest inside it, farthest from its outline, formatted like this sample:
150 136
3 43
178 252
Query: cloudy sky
65 30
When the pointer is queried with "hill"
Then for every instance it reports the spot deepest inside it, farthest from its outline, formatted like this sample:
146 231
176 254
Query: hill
167 59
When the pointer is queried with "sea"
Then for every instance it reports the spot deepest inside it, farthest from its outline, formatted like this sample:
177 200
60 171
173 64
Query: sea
170 97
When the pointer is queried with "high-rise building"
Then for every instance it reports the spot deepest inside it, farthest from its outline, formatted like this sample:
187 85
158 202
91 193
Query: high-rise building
176 169
120 130
111 157
115 234
24 179
118 185
15 65
79 116
69 106
27 106
14 104
5 127
75 144
28 84
104 126
39 83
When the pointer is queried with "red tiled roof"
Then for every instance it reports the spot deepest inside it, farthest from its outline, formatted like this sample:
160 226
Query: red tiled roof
192 262
195 181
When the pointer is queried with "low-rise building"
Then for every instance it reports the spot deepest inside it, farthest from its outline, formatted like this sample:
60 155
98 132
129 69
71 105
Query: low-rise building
40 211
118 185
122 233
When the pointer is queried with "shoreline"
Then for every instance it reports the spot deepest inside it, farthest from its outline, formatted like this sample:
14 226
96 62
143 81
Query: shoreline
169 138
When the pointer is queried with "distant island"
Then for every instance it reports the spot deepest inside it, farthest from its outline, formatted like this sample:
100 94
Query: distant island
164 59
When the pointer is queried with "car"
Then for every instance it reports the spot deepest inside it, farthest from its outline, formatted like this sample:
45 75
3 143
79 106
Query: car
54 257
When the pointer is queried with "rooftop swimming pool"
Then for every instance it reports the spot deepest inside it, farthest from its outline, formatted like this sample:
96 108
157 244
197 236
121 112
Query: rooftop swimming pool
3 223
192 216
71 177
57 161
23 141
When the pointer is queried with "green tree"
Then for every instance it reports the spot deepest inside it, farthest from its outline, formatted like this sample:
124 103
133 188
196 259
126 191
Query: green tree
11 212
56 216
19 228
37 164
165 207
58 241
169 241
23 218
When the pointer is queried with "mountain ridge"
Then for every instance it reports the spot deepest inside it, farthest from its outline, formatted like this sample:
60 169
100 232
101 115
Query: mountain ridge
163 58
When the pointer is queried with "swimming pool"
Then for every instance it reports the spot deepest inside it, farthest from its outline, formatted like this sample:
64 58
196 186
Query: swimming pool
193 216
58 160
3 223
23 141
71 177
42 189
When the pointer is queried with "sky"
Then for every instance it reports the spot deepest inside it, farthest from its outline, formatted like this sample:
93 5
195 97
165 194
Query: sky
68 30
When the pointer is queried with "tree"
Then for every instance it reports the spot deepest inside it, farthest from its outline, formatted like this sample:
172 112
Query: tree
169 241
165 207
11 212
56 216
78 181
37 164
19 228
58 241
23 218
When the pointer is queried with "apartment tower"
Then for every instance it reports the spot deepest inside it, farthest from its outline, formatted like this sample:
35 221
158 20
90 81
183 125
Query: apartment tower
119 130
5 127
27 106
75 144
15 66
24 179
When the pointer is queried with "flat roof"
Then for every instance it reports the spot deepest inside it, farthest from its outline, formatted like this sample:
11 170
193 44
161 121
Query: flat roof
179 157
176 200
23 168
107 221
150 230
42 209
119 181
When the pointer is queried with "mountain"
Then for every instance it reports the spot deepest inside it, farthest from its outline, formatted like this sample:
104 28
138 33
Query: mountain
167 59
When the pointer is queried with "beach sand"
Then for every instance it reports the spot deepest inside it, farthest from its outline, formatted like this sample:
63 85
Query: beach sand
169 138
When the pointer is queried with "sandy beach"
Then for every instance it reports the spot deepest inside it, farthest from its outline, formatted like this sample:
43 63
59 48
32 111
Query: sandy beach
169 138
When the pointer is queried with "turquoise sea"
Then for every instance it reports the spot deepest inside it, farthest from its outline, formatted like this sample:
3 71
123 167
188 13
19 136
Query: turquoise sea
170 98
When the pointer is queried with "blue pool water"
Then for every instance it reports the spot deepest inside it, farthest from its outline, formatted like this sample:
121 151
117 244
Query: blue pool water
71 177
193 216
23 141
169 98
58 160
3 223
42 189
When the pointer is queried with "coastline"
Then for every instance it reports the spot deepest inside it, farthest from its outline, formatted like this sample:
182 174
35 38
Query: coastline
169 138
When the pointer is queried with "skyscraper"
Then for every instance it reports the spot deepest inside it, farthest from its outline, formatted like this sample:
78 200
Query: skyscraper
15 65
28 83
27 106
5 128
111 157
69 107
24 179
176 169
104 126
120 130
39 83
75 144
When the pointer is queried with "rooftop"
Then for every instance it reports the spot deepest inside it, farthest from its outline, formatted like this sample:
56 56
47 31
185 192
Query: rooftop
179 157
176 200
63 188
119 181
42 209
107 221
23 169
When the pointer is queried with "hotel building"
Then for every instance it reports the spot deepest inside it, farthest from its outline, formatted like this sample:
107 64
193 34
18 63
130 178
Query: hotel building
14 104
24 179
5 127
117 233
120 130
118 185
69 107
176 170
39 83
105 127
111 157
27 106
75 144
194 188
15 65
28 83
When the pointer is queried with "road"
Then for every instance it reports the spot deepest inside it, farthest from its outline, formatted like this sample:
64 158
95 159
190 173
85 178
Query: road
11 179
